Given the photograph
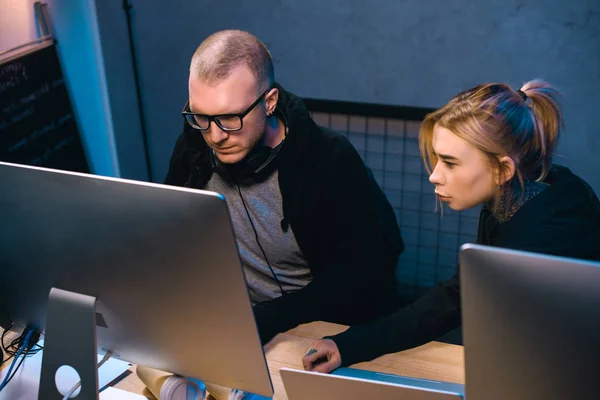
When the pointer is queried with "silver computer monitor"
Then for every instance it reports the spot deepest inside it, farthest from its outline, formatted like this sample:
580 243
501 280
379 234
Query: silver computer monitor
301 385
531 325
161 261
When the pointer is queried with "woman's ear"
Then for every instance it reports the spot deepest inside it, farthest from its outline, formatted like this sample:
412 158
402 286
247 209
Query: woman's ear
507 170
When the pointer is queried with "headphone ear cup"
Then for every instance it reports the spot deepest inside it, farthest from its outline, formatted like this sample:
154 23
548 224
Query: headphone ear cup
256 159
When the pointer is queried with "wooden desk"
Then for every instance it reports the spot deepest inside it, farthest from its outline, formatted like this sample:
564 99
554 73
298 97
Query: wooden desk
435 360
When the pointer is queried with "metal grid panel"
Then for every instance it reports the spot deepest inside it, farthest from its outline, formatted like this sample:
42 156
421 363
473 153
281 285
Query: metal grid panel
389 146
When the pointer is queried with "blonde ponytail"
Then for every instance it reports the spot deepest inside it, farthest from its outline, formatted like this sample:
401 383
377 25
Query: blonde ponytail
548 123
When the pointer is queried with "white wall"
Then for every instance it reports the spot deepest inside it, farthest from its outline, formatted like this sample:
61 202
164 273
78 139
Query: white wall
76 31
17 24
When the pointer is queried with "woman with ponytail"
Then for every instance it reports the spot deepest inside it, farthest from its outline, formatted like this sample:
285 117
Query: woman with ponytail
491 146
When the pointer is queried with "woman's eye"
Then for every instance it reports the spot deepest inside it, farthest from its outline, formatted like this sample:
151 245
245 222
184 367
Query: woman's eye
449 164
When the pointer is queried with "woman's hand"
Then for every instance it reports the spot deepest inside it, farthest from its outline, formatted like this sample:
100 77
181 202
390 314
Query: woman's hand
322 356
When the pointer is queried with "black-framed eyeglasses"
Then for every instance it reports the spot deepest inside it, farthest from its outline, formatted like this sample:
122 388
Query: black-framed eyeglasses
227 122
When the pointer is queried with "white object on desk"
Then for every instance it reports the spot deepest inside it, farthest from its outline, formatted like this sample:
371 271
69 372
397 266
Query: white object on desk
180 388
25 384
112 393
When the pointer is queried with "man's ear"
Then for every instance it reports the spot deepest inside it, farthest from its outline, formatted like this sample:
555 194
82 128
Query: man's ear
271 99
507 170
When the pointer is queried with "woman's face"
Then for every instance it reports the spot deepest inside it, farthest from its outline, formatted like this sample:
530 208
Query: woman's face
463 176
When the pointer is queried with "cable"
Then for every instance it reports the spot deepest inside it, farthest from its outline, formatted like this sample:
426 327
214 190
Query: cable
2 340
78 384
28 349
2 344
15 371
26 343
8 376
283 293
14 346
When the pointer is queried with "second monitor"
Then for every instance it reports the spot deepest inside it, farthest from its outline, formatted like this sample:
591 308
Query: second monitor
531 325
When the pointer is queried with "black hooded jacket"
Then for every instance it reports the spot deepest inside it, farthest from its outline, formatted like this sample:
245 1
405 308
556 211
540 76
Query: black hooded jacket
342 221
563 220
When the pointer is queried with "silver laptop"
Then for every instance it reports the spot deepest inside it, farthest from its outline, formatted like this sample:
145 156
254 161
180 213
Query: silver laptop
531 325
302 385
162 262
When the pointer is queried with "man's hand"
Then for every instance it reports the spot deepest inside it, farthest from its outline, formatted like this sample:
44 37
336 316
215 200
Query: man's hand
322 356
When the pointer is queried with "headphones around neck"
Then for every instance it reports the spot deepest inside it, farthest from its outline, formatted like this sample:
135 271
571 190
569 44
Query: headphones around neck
256 166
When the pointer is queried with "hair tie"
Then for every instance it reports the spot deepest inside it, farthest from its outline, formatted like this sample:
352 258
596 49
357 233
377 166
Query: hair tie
522 94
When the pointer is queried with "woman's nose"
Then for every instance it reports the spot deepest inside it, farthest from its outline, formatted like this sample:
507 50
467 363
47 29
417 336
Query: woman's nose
435 176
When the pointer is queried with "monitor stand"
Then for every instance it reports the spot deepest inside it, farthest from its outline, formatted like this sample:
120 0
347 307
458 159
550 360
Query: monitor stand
70 339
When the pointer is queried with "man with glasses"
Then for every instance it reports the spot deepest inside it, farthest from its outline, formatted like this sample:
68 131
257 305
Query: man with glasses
317 237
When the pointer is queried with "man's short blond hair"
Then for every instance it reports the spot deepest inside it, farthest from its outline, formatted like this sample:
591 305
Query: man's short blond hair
223 51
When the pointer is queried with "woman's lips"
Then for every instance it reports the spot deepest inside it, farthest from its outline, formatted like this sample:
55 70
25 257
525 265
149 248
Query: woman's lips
443 198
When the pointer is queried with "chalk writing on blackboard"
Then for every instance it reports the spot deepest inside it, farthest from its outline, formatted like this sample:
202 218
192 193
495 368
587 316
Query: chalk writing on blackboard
37 122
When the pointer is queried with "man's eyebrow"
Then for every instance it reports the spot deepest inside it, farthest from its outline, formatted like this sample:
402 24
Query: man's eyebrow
445 157
216 115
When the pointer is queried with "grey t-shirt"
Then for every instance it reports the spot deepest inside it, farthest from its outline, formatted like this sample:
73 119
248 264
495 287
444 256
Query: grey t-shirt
263 201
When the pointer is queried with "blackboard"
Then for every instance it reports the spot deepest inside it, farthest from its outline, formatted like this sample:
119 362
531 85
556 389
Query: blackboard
37 123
